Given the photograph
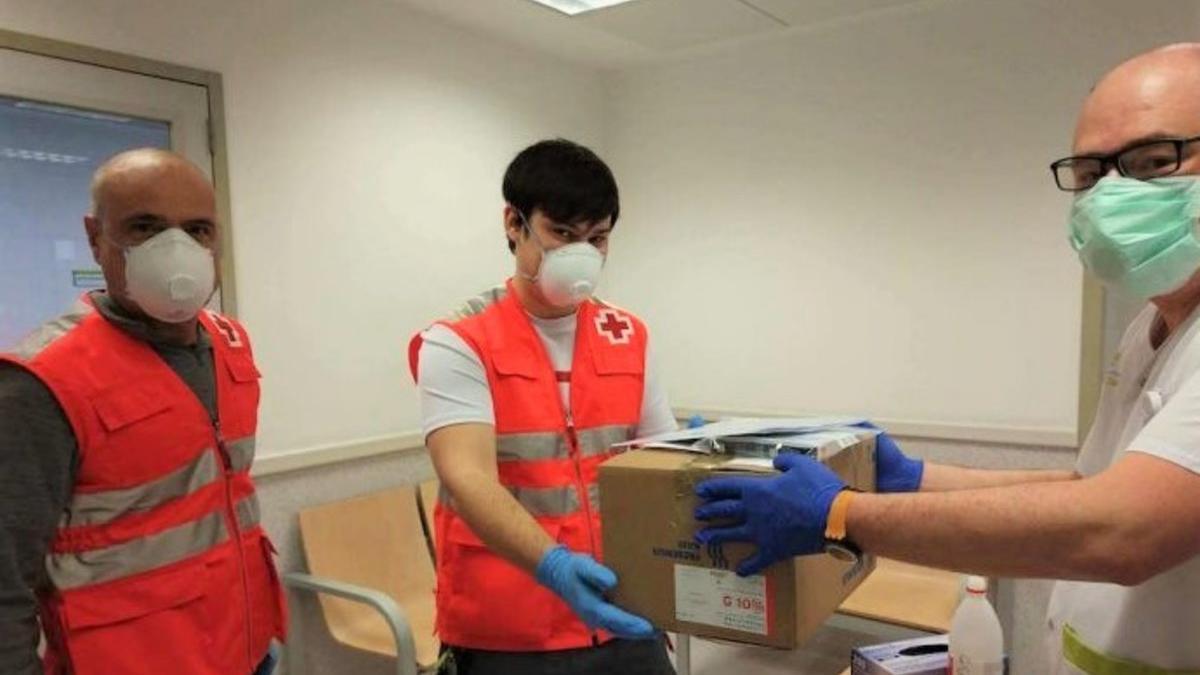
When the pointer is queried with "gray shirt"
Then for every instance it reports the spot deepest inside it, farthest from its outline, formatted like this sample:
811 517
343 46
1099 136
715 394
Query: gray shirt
38 460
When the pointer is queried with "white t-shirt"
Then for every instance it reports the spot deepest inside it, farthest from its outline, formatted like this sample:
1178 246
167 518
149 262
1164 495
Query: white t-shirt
1150 403
454 386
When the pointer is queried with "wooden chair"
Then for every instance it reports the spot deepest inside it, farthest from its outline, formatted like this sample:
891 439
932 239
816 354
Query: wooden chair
370 566
902 594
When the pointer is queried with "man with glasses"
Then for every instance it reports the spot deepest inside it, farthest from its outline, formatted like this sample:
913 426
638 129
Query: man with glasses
128 518
1144 159
1122 531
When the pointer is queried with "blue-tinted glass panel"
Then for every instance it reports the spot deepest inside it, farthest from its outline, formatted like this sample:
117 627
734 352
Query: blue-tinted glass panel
47 156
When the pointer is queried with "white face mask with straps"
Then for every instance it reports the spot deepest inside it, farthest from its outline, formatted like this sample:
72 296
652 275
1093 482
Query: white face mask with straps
567 275
170 276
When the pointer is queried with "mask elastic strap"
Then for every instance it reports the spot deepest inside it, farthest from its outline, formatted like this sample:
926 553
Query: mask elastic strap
532 278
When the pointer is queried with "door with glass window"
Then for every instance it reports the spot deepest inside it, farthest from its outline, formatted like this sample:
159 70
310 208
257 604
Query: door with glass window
59 120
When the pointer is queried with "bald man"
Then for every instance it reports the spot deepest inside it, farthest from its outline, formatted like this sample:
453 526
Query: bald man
128 519
1123 529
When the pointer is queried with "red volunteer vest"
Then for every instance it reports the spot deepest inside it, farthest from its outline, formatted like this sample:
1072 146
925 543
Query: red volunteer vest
159 564
548 462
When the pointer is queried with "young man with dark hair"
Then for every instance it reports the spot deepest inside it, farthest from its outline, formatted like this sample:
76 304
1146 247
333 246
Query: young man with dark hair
523 391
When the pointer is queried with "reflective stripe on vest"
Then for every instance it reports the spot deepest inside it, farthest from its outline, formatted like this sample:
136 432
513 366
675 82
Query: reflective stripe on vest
480 303
599 440
530 447
594 496
547 502
98 508
241 453
248 513
540 502
50 331
1094 662
85 568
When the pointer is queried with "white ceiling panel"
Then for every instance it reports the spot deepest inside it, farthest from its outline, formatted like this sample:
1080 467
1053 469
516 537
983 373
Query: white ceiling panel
537 27
802 12
666 25
641 30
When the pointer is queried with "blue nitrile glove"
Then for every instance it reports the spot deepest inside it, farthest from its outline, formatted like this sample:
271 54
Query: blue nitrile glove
784 515
894 471
581 582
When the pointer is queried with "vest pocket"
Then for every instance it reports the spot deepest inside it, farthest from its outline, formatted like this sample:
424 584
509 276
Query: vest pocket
515 362
268 608
625 361
491 603
156 623
121 407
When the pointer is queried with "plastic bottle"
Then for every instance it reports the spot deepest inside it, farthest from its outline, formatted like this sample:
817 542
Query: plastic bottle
976 639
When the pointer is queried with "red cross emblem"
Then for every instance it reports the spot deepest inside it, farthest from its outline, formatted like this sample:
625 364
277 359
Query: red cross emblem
613 326
227 330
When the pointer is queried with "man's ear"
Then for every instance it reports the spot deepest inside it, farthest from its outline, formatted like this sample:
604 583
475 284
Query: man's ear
512 224
94 228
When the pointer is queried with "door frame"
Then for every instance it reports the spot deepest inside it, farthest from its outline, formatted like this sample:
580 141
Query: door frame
210 80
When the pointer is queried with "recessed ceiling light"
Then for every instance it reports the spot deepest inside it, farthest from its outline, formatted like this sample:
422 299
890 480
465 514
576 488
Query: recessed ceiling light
573 7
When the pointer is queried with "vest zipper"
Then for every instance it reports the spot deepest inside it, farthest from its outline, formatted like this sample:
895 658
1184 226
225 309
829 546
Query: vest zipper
231 518
230 510
580 486
584 502
572 439
568 416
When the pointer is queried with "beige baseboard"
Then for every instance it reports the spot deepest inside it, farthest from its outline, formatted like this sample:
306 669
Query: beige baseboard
306 458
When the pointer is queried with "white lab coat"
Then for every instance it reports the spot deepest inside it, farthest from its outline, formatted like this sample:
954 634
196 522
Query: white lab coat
1150 403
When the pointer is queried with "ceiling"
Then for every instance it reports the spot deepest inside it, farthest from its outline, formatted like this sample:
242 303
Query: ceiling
642 30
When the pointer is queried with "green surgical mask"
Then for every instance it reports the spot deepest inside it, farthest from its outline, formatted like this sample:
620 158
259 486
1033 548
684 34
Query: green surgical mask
1138 236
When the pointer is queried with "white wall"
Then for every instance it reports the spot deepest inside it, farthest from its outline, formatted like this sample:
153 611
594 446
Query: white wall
859 216
798 191
860 212
366 144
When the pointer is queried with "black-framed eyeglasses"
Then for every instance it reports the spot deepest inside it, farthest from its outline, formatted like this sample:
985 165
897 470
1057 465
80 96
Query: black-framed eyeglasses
1152 159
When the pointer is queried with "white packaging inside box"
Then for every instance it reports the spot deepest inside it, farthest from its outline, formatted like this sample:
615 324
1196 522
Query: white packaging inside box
919 656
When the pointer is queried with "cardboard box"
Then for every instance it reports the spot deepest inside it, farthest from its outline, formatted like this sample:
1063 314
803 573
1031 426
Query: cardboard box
919 656
647 499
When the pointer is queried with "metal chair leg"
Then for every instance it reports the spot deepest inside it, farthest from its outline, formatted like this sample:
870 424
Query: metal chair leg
683 654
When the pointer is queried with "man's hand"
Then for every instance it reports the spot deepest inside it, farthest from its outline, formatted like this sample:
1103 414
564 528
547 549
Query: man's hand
581 582
784 515
895 471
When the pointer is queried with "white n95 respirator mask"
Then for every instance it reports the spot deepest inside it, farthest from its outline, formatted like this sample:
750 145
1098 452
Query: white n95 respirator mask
569 274
170 276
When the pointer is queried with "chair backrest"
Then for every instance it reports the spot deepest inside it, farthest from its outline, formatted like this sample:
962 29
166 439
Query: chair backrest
907 595
375 541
